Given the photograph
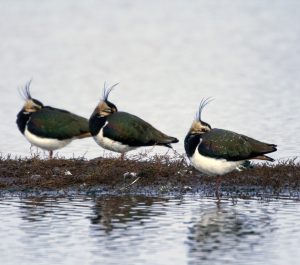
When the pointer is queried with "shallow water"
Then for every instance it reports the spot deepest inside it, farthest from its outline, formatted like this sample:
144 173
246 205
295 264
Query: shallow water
145 230
167 56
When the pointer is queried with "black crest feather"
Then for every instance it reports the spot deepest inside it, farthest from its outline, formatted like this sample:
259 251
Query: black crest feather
107 90
25 91
203 103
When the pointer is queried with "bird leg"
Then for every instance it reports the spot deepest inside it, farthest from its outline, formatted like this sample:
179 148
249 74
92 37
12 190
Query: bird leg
218 183
50 154
122 156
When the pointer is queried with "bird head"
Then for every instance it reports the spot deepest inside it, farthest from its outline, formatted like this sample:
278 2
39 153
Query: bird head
105 107
31 105
198 125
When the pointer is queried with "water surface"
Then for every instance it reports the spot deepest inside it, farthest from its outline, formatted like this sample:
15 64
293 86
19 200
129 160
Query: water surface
146 230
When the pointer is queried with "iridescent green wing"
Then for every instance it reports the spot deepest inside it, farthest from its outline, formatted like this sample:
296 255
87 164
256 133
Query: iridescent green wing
131 130
231 146
57 124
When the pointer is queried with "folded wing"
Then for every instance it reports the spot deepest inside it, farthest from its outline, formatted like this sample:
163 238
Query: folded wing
132 130
58 124
232 146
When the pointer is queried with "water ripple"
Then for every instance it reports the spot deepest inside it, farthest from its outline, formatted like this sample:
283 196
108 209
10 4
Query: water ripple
107 229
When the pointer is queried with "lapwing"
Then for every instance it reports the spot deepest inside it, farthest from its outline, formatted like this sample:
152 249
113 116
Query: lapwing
217 151
121 131
47 127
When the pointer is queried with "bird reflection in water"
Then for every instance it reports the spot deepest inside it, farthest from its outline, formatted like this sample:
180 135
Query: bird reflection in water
224 229
119 212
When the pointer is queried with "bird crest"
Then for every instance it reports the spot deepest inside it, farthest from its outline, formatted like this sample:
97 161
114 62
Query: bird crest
203 103
31 104
107 90
25 91
105 107
198 125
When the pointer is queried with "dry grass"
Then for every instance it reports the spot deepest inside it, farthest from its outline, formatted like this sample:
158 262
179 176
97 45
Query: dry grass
158 174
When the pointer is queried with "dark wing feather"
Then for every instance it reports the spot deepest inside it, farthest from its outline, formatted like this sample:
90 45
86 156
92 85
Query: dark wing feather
57 124
232 146
129 129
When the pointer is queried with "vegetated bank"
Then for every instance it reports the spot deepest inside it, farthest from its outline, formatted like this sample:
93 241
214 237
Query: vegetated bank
160 174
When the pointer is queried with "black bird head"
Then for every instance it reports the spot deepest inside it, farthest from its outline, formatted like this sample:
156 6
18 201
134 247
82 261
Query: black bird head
105 107
31 104
198 125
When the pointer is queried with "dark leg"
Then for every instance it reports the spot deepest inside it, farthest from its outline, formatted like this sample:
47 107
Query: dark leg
50 154
122 156
218 183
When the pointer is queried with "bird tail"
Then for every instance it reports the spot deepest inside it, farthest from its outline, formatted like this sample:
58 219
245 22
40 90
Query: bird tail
270 148
264 157
174 140
170 140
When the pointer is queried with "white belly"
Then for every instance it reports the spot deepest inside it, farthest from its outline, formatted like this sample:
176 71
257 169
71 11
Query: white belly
213 166
45 143
111 144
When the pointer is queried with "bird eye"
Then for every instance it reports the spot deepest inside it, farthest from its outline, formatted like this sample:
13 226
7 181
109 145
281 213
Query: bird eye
108 110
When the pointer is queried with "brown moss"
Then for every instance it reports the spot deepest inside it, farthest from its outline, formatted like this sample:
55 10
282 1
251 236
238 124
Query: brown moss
157 174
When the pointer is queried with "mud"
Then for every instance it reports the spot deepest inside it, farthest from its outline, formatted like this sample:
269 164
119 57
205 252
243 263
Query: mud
152 176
